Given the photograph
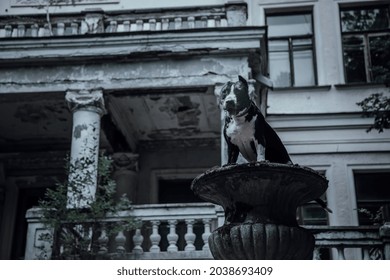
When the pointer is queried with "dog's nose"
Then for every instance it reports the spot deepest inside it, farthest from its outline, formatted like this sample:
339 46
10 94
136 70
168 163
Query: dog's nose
229 103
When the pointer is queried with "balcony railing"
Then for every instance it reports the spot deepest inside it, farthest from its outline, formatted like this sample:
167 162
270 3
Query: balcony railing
93 22
363 242
181 231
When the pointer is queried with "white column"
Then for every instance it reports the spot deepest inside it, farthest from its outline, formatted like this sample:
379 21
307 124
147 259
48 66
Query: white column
87 107
126 175
217 93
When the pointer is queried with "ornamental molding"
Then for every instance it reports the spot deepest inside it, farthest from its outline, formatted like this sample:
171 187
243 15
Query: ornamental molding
90 100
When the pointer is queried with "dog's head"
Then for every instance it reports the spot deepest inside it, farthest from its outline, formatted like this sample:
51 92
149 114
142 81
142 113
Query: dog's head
235 97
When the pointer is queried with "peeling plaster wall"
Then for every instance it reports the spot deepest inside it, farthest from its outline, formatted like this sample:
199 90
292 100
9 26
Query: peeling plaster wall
167 72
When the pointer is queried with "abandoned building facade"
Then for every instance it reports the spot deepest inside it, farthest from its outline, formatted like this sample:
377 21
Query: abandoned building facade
139 81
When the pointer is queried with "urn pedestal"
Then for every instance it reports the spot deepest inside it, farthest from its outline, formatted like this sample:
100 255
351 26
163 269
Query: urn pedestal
260 202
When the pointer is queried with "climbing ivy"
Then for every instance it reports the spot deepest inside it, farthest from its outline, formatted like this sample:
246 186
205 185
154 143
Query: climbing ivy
75 232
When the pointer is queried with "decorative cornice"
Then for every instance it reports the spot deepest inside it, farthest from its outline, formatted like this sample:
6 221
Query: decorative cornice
137 45
91 100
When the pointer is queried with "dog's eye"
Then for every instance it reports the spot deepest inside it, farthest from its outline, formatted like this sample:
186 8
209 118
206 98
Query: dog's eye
225 90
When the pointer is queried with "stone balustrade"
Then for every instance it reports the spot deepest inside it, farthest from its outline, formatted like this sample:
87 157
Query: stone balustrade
166 231
181 231
93 22
363 242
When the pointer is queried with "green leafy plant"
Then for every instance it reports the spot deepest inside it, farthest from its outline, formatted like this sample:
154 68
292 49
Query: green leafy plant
378 106
76 233
376 218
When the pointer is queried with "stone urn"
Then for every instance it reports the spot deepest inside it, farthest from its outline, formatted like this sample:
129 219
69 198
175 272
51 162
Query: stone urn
260 202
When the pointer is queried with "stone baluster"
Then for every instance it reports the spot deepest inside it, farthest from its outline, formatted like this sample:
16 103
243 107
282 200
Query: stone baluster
21 30
126 26
112 28
139 24
366 253
87 107
120 242
384 233
47 32
8 31
152 24
103 242
236 13
60 29
155 237
340 253
316 253
165 24
75 28
138 239
206 234
190 236
172 236
217 20
34 30
191 22
203 22
178 23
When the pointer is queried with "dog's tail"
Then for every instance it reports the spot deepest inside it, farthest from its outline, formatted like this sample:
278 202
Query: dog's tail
323 205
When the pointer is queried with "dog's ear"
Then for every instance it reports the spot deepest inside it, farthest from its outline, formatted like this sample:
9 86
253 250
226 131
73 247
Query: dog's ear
242 80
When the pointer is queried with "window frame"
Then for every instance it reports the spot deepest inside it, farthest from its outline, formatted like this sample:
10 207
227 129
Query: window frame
369 202
365 35
290 40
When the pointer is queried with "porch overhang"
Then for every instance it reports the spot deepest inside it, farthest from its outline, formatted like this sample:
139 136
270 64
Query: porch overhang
159 85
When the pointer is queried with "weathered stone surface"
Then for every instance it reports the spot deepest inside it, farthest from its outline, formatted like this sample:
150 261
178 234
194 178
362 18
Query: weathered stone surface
260 192
262 242
260 201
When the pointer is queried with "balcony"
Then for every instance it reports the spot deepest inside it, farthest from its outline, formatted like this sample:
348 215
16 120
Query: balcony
180 231
100 22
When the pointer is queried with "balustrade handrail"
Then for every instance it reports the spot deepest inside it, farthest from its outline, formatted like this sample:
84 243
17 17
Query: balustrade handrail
178 211
372 240
346 236
99 21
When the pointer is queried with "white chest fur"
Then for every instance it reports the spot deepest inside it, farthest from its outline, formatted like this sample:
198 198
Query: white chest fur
242 134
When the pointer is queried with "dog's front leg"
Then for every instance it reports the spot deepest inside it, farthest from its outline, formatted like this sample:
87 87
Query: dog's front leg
233 152
260 150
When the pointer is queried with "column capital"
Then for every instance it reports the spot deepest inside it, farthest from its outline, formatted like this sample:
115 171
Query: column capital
125 161
86 99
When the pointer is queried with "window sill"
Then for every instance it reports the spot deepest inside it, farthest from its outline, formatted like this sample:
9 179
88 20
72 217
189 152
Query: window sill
316 88
359 85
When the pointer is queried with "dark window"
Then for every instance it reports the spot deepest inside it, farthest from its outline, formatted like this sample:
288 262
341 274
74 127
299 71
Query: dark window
291 50
366 44
176 191
372 192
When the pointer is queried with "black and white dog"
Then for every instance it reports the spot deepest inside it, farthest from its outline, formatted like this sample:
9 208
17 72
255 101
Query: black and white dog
246 130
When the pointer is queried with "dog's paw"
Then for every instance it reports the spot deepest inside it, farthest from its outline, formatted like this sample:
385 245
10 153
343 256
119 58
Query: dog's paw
229 164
